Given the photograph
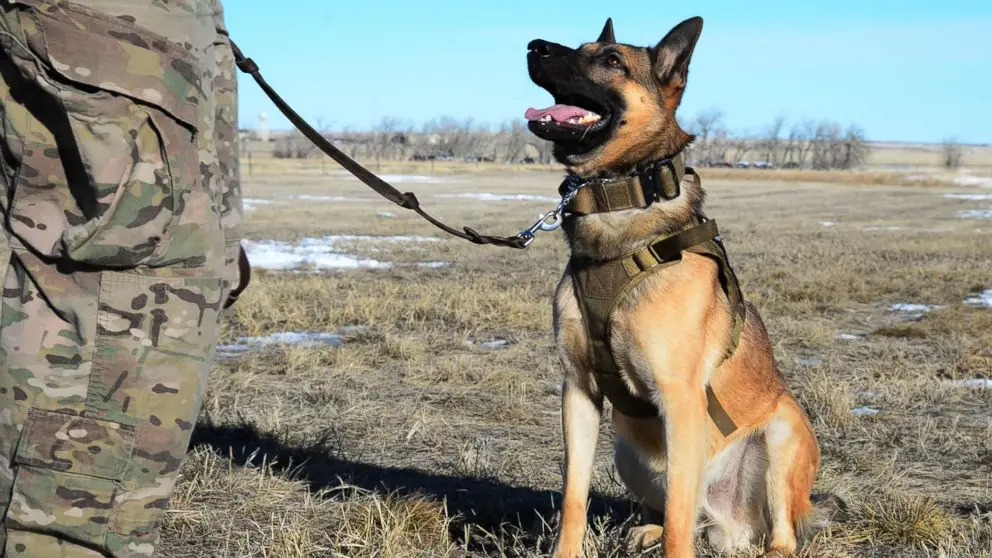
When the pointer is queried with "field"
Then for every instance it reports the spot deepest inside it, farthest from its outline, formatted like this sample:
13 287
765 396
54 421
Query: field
429 424
425 421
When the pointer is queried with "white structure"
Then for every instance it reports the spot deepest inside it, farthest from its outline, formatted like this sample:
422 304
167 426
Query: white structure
263 126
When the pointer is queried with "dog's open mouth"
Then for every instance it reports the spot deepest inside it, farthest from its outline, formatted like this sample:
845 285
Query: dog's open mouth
569 118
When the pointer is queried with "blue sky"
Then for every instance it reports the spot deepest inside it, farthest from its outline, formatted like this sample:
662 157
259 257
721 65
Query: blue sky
906 70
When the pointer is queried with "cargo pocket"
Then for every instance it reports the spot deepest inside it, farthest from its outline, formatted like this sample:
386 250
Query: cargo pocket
68 472
107 140
154 341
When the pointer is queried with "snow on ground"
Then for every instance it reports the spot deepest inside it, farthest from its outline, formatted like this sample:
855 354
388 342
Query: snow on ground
284 338
976 214
978 383
980 300
864 412
910 308
309 197
322 253
251 204
874 229
849 337
971 197
969 180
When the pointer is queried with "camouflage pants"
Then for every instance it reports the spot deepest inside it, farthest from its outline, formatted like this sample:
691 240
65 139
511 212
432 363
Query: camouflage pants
122 206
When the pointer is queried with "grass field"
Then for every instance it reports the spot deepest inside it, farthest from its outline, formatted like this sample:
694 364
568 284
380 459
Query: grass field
428 423
429 426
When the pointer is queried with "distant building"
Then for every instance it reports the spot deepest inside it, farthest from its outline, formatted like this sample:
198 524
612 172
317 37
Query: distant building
263 127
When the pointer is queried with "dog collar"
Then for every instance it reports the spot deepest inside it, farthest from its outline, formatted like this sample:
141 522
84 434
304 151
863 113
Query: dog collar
659 182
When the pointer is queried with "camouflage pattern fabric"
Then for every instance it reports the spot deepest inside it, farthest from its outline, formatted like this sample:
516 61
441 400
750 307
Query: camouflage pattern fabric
121 202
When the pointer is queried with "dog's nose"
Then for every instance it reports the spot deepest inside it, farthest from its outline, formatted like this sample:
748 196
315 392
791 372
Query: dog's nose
539 47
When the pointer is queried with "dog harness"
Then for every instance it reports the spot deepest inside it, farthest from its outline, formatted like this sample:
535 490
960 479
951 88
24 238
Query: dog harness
601 286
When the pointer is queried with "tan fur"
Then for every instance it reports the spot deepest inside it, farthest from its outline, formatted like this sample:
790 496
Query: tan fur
669 338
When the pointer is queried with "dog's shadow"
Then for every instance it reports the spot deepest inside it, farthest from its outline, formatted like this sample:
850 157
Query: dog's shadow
485 502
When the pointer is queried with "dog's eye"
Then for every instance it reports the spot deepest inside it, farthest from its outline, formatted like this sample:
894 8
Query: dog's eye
614 61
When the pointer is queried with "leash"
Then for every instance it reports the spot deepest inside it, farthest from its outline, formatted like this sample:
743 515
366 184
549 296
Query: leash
407 200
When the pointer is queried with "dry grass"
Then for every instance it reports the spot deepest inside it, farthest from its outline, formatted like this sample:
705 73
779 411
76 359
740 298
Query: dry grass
860 178
411 439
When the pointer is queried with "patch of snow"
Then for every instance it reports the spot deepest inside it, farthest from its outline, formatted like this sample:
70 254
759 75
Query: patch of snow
873 229
864 412
385 215
849 337
912 308
827 223
409 178
320 253
972 197
298 338
309 252
433 265
494 344
979 383
980 300
487 196
229 351
301 338
251 204
366 238
969 180
976 214
308 197
810 361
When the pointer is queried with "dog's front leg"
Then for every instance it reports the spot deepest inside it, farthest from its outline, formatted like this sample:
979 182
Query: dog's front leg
685 432
580 417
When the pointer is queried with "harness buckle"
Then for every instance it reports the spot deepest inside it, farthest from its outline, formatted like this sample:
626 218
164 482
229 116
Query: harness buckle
654 186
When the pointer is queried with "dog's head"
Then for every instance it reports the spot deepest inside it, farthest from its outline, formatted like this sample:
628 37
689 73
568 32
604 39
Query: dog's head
614 103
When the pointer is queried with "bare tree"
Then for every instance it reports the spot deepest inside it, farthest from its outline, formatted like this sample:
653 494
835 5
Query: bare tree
382 137
854 149
952 153
704 125
741 144
770 144
516 138
719 144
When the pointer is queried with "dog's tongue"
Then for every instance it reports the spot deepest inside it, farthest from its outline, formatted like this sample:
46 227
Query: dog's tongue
560 113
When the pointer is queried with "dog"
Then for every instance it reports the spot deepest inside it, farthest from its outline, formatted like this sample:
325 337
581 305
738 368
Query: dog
705 426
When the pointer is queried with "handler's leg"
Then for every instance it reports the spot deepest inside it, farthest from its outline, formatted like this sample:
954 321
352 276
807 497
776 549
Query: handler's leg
119 211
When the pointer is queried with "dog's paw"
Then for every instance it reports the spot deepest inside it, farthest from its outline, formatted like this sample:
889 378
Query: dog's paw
643 537
563 550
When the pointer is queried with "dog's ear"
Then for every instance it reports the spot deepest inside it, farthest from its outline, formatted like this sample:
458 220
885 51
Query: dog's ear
607 35
670 58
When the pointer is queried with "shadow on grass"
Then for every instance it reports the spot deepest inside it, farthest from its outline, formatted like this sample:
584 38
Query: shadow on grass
485 502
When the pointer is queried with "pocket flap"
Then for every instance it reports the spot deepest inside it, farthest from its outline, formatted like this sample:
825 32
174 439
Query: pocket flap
108 53
74 444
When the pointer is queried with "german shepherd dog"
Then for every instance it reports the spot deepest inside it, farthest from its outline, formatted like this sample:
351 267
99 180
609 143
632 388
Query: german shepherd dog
614 115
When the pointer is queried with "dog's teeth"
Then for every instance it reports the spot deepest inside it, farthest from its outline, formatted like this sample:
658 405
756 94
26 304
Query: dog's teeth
546 118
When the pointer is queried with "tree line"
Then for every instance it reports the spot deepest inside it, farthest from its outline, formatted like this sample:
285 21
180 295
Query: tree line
807 144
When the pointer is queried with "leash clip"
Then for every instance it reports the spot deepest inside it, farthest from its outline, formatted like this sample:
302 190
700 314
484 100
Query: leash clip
552 220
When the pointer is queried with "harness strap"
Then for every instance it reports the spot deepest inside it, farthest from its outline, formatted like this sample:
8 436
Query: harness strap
600 288
660 181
